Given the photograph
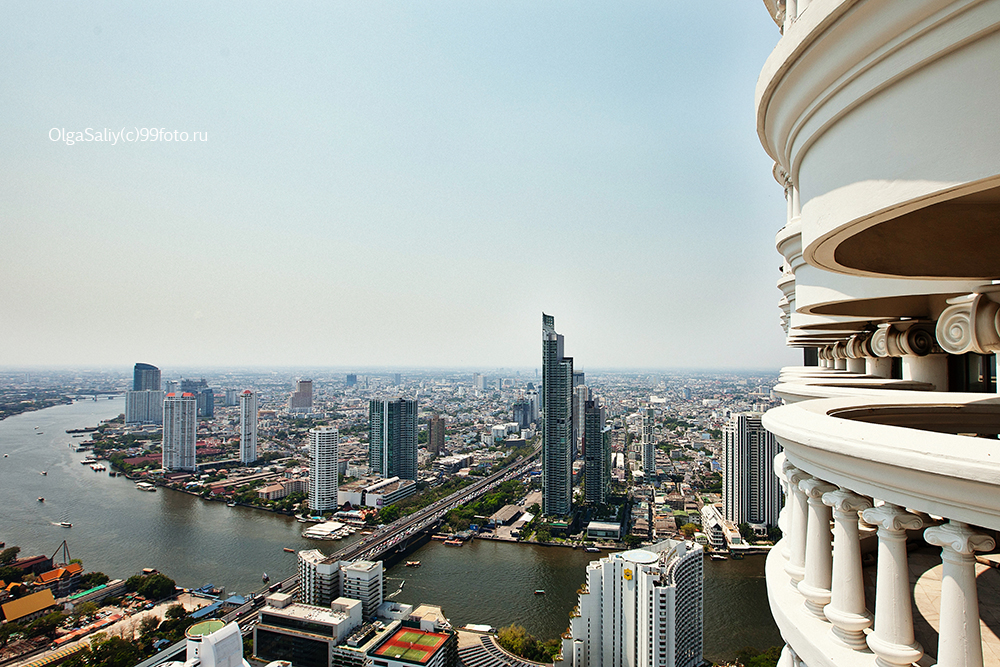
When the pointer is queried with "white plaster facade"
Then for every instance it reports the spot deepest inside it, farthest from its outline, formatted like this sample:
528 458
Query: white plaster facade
880 117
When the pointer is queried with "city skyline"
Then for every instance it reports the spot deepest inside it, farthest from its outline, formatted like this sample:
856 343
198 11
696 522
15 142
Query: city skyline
393 166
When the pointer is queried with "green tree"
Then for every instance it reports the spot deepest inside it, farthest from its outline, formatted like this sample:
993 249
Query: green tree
752 657
84 609
92 579
689 529
176 611
543 534
149 624
9 555
8 630
113 652
46 625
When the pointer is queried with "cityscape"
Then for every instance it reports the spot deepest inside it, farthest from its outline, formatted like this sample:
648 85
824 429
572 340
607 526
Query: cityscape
444 343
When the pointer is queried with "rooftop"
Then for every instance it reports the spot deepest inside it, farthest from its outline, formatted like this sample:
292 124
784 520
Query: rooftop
412 645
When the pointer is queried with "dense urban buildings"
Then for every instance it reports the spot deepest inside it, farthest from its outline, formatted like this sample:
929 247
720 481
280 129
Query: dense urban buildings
324 468
392 437
145 377
751 493
640 608
874 115
248 427
180 423
557 422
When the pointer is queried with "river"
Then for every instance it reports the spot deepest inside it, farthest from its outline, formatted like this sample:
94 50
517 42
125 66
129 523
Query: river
120 530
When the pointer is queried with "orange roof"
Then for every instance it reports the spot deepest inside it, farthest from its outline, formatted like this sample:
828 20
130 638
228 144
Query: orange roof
60 573
28 605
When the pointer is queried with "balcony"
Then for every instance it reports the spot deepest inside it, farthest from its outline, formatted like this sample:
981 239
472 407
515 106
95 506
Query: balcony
866 477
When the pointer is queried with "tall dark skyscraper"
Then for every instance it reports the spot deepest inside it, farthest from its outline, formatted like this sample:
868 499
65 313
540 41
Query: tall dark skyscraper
557 422
435 435
596 453
145 377
392 437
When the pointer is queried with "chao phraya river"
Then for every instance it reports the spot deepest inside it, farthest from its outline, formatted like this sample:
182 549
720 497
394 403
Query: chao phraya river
119 530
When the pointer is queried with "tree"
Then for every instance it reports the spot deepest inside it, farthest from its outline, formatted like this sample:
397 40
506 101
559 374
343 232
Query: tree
752 657
689 529
84 609
176 611
148 624
46 625
9 555
113 652
543 534
92 579
8 630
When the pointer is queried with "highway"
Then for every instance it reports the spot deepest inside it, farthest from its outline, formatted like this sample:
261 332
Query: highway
376 545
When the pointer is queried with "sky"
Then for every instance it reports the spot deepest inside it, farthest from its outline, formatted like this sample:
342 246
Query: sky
387 183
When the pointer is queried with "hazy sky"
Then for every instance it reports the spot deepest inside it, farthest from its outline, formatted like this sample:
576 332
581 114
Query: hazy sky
387 183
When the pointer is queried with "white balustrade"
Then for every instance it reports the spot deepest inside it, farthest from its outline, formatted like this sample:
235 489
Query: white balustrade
795 567
847 609
960 642
892 640
815 586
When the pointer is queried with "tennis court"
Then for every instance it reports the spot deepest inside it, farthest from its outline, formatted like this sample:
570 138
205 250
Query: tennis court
411 645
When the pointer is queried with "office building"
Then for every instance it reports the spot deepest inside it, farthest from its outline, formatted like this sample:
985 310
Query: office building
232 398
324 469
581 394
306 635
301 400
146 377
640 608
248 427
362 580
521 413
171 387
435 435
180 424
351 380
557 423
144 407
397 379
392 437
204 396
531 395
751 492
596 453
880 120
648 444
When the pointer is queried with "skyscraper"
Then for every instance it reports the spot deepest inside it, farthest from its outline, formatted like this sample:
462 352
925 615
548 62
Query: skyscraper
179 431
751 492
301 400
557 422
640 608
596 453
248 427
648 447
145 377
324 468
144 407
581 394
392 437
435 435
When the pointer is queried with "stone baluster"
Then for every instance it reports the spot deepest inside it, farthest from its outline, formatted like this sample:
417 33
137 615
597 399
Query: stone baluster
815 586
960 642
847 609
892 640
798 518
779 471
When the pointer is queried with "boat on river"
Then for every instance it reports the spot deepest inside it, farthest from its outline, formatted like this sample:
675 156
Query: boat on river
539 591
291 551
413 563
41 499
65 524
43 473
145 486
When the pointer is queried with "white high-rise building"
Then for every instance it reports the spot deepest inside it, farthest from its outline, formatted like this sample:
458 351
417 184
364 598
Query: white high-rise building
144 407
323 468
648 447
640 608
751 492
319 578
180 423
362 580
248 427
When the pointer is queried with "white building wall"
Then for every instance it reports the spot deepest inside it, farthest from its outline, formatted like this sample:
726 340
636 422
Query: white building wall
180 423
323 468
248 427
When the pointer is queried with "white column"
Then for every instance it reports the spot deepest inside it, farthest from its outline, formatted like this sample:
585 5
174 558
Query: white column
933 369
880 367
795 567
847 609
779 470
840 364
856 365
960 642
892 641
815 587
791 13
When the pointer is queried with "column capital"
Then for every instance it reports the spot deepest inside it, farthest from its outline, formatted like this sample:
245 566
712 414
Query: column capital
969 324
959 538
814 487
843 500
892 517
795 475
